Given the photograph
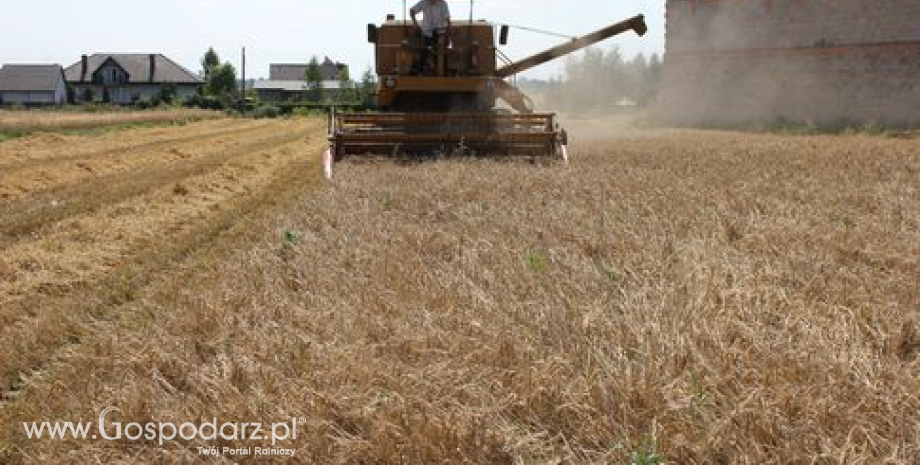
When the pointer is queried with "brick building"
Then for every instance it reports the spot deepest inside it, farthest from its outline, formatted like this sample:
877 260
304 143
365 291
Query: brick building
818 61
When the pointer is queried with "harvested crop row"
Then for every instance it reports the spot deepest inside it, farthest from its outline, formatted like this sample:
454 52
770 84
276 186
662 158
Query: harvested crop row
19 182
41 209
55 273
47 147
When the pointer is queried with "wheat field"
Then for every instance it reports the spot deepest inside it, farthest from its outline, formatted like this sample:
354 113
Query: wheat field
670 296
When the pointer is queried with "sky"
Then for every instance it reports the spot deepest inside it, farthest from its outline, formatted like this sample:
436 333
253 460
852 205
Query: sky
287 31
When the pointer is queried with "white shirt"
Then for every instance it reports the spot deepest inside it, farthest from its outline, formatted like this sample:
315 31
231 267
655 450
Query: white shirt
434 15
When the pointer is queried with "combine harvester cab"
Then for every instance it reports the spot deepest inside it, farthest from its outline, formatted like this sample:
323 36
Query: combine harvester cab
450 105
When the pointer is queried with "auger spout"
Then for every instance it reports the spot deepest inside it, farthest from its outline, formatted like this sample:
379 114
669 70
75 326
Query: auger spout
636 24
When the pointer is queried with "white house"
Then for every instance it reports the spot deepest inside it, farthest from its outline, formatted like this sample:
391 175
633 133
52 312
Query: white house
287 82
125 78
32 85
270 90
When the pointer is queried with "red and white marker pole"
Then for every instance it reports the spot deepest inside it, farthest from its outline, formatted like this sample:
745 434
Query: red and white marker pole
327 164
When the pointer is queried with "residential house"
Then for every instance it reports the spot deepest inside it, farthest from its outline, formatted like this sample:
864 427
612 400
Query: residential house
287 82
32 85
294 72
126 78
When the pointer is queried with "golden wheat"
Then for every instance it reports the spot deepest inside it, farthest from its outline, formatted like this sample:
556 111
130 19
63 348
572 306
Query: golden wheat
695 297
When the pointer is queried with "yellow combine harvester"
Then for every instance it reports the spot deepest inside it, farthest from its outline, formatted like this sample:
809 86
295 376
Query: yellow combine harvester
449 104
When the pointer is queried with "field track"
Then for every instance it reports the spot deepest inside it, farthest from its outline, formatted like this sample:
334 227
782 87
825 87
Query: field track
705 296
24 122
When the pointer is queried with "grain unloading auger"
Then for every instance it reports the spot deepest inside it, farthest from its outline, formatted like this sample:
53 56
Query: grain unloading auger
449 105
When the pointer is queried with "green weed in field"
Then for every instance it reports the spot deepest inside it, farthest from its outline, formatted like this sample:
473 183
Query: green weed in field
388 201
536 261
647 453
290 238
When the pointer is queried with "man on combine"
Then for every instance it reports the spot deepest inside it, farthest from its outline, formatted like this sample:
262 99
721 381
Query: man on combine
435 23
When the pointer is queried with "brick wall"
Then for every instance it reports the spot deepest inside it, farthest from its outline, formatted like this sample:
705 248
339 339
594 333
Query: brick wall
820 61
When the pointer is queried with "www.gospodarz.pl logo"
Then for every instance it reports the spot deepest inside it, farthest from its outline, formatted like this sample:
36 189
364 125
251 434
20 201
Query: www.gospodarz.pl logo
166 432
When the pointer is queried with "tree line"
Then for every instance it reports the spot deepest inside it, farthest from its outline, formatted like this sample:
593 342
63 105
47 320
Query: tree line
349 92
600 80
221 87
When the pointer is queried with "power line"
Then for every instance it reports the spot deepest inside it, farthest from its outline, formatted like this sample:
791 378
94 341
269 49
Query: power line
541 31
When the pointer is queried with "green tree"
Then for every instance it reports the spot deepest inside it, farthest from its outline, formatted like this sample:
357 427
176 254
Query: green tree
222 81
555 93
368 89
168 92
634 81
652 80
209 61
598 79
314 80
347 93
592 79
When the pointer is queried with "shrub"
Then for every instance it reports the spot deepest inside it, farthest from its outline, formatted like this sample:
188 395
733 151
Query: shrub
210 102
875 129
193 102
207 102
143 103
267 111
168 92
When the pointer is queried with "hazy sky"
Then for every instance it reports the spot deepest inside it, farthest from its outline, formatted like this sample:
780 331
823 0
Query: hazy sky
284 31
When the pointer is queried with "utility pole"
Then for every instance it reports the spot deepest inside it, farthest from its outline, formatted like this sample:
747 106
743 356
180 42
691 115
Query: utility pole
243 87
